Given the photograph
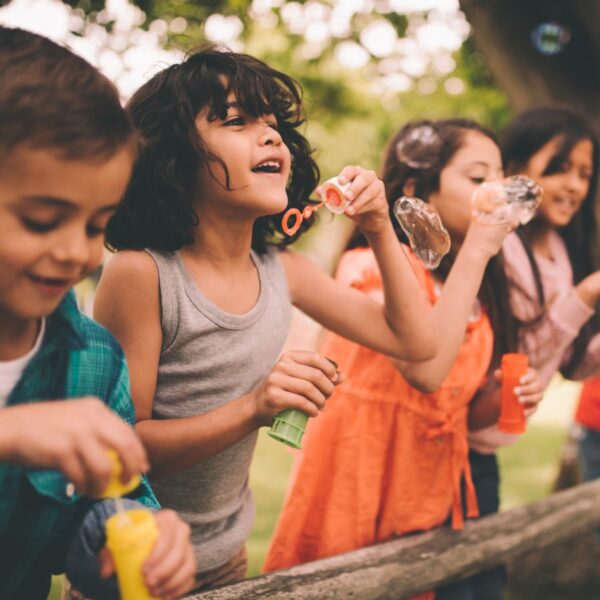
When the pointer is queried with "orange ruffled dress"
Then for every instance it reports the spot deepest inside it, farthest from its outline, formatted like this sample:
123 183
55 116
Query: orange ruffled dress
383 459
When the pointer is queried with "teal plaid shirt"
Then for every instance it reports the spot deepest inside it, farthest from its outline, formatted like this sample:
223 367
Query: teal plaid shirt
77 358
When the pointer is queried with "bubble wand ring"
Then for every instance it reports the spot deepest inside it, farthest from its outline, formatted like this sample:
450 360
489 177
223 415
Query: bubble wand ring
333 193
306 213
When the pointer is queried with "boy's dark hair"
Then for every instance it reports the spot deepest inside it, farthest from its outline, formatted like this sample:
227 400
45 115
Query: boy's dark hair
446 137
157 209
52 99
525 136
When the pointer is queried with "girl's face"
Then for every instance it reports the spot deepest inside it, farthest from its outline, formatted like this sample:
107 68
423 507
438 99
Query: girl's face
257 160
564 191
53 214
477 160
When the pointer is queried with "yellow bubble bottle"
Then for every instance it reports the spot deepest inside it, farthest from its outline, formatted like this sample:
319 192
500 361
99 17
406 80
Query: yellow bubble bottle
130 537
116 488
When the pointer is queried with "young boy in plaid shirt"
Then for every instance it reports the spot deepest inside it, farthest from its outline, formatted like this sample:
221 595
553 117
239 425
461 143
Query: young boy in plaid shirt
66 153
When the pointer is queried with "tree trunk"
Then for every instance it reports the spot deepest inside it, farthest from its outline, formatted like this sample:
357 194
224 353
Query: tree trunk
502 30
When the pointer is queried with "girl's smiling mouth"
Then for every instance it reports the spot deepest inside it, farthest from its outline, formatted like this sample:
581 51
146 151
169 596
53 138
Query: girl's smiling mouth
269 166
51 285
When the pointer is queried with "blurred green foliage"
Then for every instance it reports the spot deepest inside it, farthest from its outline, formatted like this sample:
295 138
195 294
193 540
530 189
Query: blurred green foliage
348 121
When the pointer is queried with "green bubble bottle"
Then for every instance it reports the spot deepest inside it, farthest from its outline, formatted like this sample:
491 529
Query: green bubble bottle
289 425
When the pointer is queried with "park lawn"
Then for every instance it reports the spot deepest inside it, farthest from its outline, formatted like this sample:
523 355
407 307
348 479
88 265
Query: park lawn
528 470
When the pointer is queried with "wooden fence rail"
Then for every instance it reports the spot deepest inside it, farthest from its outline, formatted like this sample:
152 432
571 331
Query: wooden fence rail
404 567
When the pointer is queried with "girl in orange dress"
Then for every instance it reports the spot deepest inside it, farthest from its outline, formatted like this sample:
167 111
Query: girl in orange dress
385 459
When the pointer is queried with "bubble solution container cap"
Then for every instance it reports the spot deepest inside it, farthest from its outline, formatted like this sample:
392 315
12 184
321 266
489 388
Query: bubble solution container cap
116 487
130 537
512 416
332 194
289 427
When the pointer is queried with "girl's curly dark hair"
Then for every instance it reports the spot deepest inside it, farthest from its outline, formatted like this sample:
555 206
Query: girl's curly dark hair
157 211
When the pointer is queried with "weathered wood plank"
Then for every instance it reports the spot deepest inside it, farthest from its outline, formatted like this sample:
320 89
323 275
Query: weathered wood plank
407 566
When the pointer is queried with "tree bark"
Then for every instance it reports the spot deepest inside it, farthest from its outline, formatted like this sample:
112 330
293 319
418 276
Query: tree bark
502 31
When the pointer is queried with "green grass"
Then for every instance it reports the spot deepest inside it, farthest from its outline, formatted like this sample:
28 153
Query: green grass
528 470
268 480
529 467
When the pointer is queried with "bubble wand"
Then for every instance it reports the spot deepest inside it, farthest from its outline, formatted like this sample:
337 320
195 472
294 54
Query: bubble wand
333 193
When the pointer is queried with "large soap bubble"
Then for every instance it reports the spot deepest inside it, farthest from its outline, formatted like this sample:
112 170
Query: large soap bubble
515 198
419 148
550 38
428 237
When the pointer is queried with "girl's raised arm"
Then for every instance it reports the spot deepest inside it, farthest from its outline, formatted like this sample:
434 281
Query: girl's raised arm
402 327
453 308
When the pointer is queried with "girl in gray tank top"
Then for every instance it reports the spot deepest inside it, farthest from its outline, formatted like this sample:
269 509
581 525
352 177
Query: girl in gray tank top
201 298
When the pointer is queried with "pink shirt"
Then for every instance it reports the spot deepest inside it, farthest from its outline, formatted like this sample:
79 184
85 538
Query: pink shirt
548 341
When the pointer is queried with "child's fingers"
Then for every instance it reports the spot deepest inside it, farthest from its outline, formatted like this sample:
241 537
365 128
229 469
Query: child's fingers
121 437
97 464
312 359
529 377
180 579
341 377
360 184
303 388
498 374
165 520
74 471
308 374
284 400
348 173
367 199
530 393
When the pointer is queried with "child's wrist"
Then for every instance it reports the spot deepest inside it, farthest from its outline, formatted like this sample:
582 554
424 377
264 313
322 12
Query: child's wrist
249 407
383 233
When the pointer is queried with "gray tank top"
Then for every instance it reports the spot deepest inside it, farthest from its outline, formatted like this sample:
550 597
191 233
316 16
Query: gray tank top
208 358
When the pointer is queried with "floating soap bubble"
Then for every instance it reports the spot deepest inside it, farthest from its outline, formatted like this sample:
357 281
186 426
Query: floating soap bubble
515 198
419 148
550 38
428 237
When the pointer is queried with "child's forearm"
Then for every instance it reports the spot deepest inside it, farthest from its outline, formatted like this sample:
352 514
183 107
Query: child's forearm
407 310
177 444
449 320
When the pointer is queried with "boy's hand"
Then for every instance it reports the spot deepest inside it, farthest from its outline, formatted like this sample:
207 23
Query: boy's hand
72 436
169 572
300 379
368 204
